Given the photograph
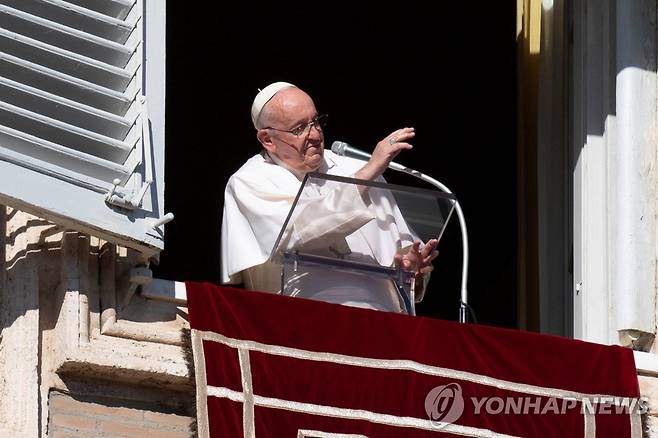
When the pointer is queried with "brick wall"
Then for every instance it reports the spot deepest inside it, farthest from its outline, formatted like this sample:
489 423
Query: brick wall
86 417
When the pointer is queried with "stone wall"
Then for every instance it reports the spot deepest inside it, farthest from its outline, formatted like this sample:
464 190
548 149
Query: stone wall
70 324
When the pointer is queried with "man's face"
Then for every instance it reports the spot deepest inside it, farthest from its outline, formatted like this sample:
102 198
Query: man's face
292 135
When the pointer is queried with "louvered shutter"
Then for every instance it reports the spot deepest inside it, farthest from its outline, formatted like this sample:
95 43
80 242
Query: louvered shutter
82 96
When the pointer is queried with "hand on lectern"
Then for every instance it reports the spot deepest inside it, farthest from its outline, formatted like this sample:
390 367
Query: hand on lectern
418 260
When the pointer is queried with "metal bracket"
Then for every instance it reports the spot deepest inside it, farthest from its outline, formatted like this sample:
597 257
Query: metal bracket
156 223
128 203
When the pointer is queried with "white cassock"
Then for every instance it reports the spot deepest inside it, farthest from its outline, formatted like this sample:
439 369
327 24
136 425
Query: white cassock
340 222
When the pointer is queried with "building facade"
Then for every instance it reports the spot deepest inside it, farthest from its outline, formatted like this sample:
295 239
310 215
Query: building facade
81 178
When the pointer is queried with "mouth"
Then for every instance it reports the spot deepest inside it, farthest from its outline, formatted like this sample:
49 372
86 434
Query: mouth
314 149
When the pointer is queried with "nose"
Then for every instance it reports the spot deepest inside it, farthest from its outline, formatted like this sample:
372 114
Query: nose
315 131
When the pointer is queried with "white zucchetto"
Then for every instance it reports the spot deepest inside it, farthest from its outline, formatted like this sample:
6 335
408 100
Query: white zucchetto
264 96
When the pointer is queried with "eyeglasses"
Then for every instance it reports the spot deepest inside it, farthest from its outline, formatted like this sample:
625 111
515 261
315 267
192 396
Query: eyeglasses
319 122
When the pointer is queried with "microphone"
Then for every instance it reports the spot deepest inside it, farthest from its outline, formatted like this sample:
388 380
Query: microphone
345 150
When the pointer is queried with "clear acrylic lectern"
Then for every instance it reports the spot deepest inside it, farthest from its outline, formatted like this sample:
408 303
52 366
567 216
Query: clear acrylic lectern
342 235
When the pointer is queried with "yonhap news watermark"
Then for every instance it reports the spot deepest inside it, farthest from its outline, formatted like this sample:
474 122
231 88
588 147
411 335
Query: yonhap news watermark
445 404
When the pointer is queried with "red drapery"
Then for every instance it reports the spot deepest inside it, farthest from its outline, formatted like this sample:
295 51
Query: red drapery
273 366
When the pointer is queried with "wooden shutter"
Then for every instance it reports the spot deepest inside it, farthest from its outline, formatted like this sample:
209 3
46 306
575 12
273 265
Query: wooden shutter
82 115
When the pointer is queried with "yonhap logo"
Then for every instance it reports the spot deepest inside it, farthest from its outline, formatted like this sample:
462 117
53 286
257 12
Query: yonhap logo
444 404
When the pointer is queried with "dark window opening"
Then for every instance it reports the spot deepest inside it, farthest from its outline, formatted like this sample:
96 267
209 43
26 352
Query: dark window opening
446 68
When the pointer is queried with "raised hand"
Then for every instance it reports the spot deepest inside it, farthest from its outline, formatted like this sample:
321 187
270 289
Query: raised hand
387 149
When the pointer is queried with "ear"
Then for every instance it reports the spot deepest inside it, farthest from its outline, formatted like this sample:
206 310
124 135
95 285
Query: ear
264 138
